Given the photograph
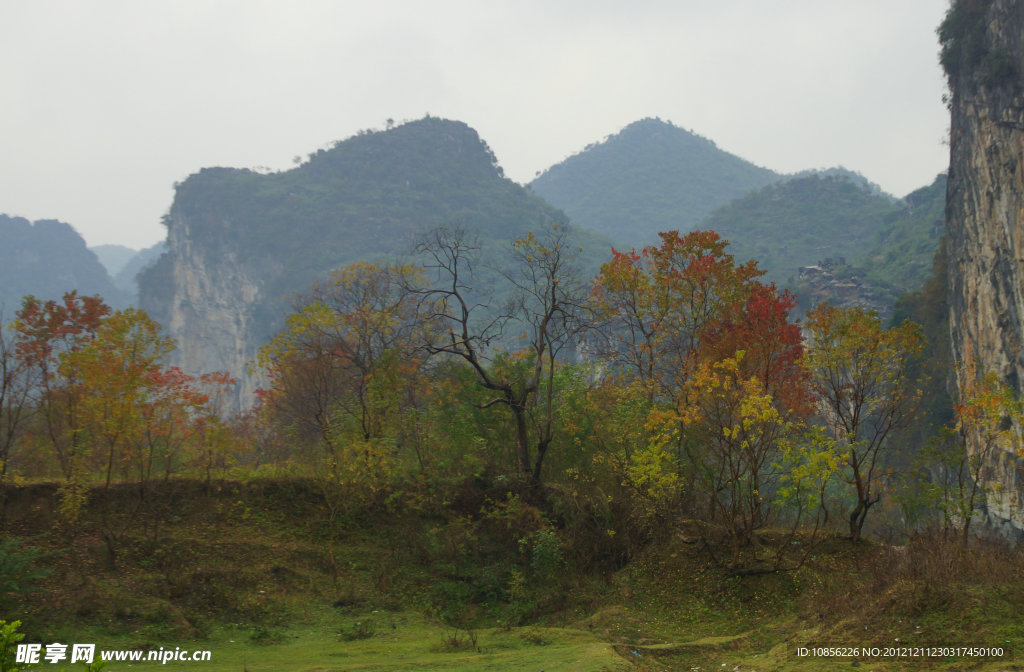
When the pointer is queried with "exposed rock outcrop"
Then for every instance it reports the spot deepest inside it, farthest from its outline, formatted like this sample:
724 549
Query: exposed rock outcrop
210 309
983 54
841 285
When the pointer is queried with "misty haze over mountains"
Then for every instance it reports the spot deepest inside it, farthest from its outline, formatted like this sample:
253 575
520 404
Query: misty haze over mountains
649 177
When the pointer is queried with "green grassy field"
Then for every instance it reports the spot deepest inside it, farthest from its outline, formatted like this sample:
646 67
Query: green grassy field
259 582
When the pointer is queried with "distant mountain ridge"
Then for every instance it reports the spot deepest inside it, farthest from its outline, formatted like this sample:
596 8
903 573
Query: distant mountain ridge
653 176
882 244
124 279
649 177
47 258
113 257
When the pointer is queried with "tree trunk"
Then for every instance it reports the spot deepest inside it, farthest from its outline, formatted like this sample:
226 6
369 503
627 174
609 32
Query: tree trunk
522 440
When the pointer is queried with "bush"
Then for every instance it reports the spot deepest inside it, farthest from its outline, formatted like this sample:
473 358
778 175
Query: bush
18 574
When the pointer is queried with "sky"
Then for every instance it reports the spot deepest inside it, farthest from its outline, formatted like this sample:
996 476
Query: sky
105 104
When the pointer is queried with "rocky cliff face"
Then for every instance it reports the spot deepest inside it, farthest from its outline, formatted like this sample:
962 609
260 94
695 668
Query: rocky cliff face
210 311
841 285
983 53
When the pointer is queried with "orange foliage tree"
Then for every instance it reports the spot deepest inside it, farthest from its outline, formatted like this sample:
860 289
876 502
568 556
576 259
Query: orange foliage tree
719 361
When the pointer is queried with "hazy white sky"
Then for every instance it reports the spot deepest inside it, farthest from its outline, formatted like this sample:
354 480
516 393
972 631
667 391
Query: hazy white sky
104 104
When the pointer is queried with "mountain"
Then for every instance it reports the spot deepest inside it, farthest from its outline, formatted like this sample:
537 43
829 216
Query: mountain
113 257
241 243
650 177
900 260
46 259
902 255
801 221
124 278
983 56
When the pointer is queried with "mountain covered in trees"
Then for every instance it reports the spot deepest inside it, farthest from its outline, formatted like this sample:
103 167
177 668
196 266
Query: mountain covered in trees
649 177
653 176
47 258
241 244
797 222
850 242
902 255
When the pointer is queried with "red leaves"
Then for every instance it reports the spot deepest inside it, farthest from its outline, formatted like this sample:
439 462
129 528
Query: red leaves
773 346
44 327
670 307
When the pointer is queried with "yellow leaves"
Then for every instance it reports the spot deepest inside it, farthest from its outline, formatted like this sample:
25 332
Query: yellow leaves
718 392
991 411
653 471
663 425
807 465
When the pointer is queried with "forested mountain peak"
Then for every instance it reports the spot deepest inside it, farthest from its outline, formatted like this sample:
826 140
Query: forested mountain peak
46 259
800 221
678 176
362 197
250 241
396 153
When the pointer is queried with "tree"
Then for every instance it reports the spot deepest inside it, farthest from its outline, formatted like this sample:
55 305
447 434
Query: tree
213 437
658 306
175 400
986 416
46 332
710 344
548 306
859 375
743 432
117 371
18 379
773 347
339 369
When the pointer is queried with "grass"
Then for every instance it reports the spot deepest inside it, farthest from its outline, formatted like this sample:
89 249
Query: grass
249 572
402 641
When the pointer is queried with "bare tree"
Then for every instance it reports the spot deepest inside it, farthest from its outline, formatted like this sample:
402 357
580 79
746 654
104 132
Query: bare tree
547 311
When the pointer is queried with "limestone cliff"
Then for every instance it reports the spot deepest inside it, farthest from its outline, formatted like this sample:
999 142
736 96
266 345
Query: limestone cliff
208 308
983 54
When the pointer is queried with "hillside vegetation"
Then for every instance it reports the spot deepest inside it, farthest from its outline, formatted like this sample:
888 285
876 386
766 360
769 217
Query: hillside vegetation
653 176
261 575
649 177
714 485
801 221
368 197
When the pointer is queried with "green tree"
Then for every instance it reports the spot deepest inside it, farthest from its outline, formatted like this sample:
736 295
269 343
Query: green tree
859 374
985 421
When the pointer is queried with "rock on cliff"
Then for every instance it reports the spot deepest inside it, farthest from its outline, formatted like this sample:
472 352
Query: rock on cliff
983 54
